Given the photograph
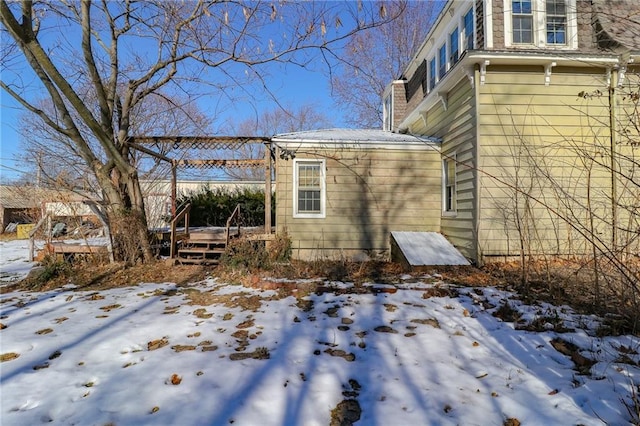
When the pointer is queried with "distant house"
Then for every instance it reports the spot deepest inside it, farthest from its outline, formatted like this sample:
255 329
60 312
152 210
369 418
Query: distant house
27 204
527 117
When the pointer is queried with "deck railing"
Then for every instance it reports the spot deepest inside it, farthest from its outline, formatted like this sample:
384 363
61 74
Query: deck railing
182 214
235 215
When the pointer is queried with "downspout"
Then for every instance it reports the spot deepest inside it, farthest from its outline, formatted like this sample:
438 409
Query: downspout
613 136
476 155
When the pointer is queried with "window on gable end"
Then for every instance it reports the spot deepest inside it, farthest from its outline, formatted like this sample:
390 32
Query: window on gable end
469 33
442 61
453 47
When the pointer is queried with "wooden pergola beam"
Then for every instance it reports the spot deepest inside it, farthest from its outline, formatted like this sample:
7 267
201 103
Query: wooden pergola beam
220 142
190 140
220 163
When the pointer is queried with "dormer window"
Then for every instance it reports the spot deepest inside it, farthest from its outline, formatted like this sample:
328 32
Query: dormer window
540 24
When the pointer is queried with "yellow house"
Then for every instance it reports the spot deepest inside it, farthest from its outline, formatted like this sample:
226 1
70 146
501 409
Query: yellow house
340 192
534 104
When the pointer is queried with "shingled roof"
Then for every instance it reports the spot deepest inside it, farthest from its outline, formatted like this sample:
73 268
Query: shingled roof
28 197
617 23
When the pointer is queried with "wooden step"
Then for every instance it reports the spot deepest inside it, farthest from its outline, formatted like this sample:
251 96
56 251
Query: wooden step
207 236
202 251
192 261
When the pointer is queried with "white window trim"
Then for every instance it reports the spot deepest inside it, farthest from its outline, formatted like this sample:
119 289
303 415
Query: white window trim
540 27
457 22
323 190
445 212
462 45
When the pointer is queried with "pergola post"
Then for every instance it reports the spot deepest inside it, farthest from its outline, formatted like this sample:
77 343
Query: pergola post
267 188
174 190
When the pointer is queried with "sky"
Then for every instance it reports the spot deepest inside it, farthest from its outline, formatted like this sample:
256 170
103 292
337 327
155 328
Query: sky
292 86
419 351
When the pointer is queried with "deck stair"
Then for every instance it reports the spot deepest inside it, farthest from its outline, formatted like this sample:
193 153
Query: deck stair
203 247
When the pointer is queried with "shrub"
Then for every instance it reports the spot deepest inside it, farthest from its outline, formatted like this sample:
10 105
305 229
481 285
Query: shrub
212 207
253 255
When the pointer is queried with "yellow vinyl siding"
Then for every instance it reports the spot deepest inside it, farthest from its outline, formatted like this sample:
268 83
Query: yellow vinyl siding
540 148
456 127
369 193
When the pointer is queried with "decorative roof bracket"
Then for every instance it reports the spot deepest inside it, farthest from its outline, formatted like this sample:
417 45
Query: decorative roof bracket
443 98
622 74
547 73
423 115
469 71
483 70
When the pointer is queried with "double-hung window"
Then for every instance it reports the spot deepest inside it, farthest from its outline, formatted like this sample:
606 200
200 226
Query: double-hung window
556 22
522 21
453 47
449 185
541 24
469 34
309 194
432 73
442 61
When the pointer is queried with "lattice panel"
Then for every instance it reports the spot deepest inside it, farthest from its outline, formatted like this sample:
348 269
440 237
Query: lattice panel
221 164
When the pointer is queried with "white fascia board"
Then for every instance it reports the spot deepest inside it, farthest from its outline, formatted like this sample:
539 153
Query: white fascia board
295 145
477 57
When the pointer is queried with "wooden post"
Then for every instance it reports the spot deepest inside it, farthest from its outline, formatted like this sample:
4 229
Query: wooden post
174 190
267 188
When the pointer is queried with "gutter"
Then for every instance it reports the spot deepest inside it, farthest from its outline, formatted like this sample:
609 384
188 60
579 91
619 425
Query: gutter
481 59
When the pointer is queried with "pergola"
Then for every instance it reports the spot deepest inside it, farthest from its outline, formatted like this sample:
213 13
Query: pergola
233 143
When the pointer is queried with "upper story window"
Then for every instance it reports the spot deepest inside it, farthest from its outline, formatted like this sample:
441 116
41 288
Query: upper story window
432 73
540 23
556 22
522 17
387 113
442 61
469 34
453 47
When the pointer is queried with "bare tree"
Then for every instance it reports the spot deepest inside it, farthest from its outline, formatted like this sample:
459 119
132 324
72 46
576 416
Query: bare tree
97 61
51 159
269 123
374 58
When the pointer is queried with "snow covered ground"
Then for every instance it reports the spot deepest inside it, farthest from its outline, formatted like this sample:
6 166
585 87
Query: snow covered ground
426 354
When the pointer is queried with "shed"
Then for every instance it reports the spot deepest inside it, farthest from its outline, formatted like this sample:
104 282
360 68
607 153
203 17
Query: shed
340 192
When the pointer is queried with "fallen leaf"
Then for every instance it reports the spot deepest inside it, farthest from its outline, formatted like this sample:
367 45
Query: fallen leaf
175 379
8 356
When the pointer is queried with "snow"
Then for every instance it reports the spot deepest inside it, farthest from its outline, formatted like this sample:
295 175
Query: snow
84 357
428 248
